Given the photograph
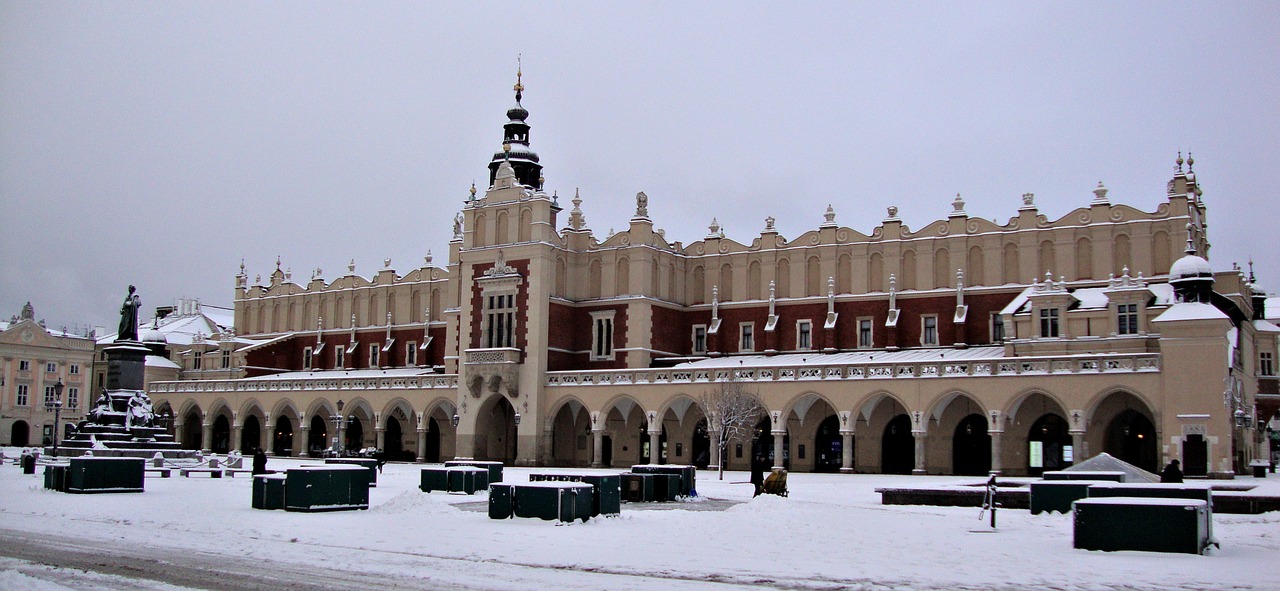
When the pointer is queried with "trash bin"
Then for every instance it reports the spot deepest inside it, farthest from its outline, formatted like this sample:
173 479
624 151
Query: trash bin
28 464
55 478
268 491
1057 495
1144 524
105 475
326 488
637 488
463 478
501 501
687 474
666 487
371 464
434 479
1259 468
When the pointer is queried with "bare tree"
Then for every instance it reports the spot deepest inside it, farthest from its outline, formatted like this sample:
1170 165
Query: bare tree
732 413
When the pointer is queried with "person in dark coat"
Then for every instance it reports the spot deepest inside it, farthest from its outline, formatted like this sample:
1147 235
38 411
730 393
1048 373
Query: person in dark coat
1171 473
259 461
757 475
381 456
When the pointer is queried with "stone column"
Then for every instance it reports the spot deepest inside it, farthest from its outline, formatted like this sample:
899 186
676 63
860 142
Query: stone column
342 435
301 438
997 464
382 437
715 454
846 451
235 443
655 446
422 443
778 436
919 452
177 433
267 436
1078 453
597 451
206 438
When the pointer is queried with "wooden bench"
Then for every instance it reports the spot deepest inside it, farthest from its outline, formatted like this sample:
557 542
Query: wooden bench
212 472
162 472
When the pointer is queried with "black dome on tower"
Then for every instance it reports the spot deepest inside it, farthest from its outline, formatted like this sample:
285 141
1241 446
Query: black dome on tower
515 145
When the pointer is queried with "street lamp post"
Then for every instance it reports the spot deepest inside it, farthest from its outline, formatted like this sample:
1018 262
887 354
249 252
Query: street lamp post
336 419
55 405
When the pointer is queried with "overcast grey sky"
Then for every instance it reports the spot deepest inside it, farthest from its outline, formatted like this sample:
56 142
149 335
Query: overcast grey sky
159 143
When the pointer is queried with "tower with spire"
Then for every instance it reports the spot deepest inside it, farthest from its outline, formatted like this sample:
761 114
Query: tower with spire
515 144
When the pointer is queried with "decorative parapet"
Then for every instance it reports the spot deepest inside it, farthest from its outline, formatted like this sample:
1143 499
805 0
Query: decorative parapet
495 355
1118 363
445 381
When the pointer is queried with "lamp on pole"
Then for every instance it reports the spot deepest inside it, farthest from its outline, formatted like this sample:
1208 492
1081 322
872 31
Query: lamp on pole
55 405
336 418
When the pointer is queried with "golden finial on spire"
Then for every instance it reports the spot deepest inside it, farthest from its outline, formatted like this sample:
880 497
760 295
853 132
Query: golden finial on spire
519 87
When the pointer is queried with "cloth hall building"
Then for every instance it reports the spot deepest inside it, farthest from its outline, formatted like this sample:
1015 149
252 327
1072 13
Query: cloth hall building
957 348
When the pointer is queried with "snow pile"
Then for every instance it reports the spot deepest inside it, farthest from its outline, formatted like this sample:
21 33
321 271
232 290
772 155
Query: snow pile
1105 462
413 502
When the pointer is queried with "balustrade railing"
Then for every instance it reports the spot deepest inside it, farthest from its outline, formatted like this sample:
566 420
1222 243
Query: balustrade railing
1111 363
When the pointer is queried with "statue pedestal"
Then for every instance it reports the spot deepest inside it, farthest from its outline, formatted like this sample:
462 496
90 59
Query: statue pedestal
126 363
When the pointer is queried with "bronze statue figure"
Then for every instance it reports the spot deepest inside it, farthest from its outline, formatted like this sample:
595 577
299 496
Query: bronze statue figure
129 316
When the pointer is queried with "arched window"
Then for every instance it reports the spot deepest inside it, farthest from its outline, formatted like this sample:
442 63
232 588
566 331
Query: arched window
813 277
622 282
907 278
726 282
753 281
974 274
844 274
593 279
941 268
477 233
1048 262
1084 259
875 272
1160 253
1009 274
783 282
1120 251
526 225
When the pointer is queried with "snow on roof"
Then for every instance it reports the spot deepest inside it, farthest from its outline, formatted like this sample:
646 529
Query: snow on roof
158 361
1017 302
1092 297
348 373
927 354
1191 311
1163 293
1273 308
181 329
1265 326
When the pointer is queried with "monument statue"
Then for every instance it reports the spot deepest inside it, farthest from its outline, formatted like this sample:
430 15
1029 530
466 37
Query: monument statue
129 316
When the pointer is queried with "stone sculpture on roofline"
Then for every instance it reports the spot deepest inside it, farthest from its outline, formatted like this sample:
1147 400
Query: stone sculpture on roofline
122 422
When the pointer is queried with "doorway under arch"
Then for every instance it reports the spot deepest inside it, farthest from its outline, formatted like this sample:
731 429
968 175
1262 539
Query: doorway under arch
828 446
1132 437
250 435
898 446
282 439
393 440
317 436
354 435
496 431
971 447
701 445
192 432
221 443
1047 445
432 452
20 435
